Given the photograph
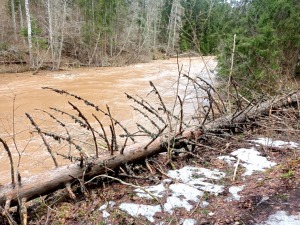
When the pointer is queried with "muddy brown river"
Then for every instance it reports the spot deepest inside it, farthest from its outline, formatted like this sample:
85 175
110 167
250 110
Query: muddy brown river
22 93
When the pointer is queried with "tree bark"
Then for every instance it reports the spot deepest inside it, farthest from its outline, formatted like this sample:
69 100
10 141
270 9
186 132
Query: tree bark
13 15
57 178
29 32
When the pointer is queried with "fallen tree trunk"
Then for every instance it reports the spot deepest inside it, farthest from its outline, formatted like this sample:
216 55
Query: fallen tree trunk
52 180
12 62
252 112
57 178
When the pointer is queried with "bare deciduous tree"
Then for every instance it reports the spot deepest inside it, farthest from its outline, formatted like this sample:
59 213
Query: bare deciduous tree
29 33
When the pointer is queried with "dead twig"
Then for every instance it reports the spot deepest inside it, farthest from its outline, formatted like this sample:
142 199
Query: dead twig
112 140
61 124
80 114
145 115
158 95
60 137
12 171
235 169
128 184
123 148
181 113
38 129
113 132
104 133
8 216
23 211
156 136
88 103
76 119
143 129
141 103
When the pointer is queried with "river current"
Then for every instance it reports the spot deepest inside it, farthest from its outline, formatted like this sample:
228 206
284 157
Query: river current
22 93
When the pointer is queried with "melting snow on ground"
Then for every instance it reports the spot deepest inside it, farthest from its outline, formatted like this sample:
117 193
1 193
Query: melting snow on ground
103 208
234 190
282 218
250 158
188 221
137 210
279 144
187 187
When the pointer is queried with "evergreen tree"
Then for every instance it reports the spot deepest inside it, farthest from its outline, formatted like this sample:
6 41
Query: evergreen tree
267 43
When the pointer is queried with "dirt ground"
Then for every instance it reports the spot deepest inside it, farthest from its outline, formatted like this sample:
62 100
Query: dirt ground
264 193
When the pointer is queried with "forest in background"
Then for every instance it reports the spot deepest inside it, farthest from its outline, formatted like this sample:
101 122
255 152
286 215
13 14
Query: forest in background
257 41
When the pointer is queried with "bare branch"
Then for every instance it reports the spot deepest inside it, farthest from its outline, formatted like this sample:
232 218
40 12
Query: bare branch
104 133
12 172
88 103
141 103
80 114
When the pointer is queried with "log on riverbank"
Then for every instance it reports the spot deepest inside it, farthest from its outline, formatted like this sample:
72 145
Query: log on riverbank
253 111
12 62
60 177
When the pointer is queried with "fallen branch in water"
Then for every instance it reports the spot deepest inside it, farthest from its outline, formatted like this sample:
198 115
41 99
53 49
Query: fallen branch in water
59 177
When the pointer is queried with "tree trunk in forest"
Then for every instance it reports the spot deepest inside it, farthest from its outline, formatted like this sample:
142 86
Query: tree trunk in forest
13 15
62 34
52 180
21 20
31 59
50 29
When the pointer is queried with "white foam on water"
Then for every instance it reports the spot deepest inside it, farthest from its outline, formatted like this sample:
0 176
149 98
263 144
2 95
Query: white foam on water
66 76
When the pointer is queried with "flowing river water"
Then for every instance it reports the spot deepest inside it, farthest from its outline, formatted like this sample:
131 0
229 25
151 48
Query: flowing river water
22 93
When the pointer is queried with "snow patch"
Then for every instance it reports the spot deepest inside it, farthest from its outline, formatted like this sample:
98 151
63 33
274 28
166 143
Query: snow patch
175 202
105 214
188 192
229 159
234 190
156 190
190 187
108 204
272 143
189 173
188 221
103 208
181 195
137 210
282 218
205 186
250 158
